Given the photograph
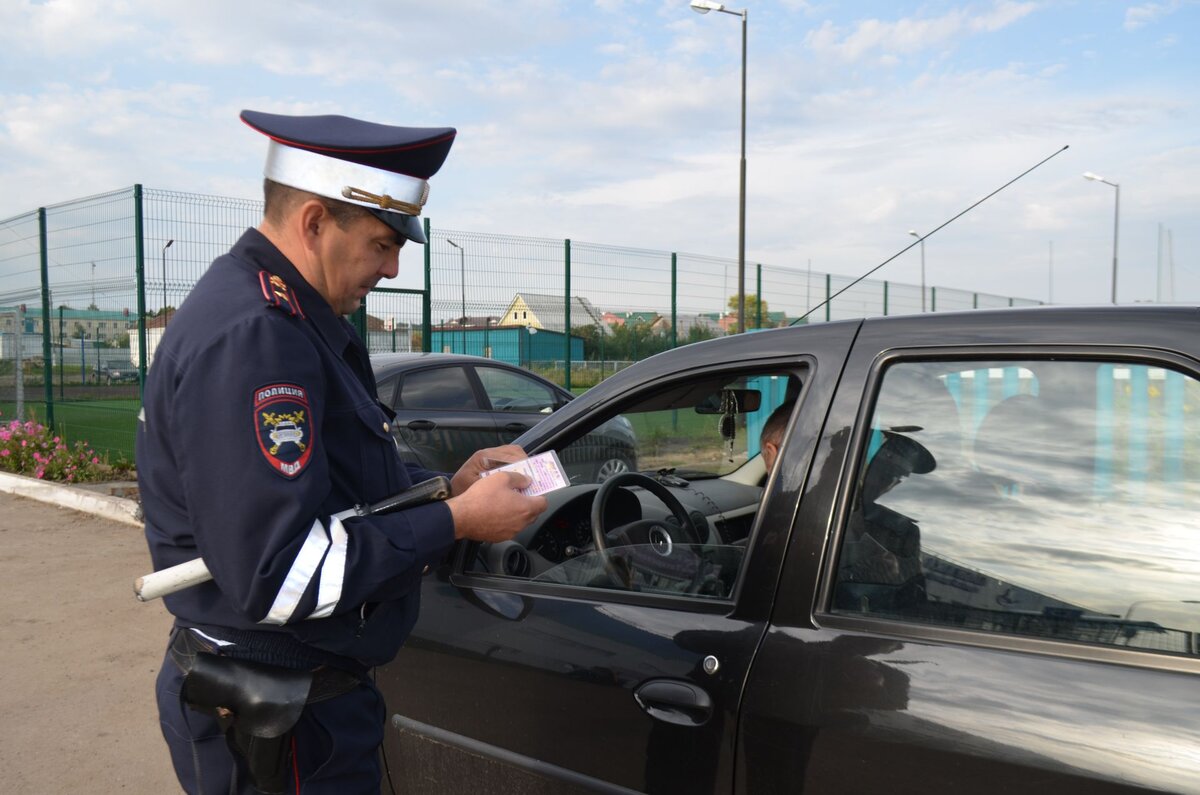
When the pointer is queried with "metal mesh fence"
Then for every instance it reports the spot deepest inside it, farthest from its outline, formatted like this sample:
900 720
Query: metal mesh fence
183 233
88 286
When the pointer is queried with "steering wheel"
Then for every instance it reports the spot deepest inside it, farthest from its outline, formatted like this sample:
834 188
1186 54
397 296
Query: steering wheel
657 534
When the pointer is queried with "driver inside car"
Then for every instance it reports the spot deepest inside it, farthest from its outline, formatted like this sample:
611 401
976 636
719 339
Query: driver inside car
772 433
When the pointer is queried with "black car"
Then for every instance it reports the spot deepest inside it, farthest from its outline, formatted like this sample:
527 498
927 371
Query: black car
974 568
450 405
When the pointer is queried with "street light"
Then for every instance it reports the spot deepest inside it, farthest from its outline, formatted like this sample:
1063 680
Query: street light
921 237
703 7
462 280
1116 225
164 264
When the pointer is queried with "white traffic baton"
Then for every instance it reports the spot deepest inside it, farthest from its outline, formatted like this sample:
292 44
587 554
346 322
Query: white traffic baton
175 578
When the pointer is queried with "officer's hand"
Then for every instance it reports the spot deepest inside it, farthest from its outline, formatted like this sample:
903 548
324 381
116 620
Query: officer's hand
493 509
488 458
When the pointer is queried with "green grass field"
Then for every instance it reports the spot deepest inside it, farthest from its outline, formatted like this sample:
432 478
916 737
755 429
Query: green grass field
107 426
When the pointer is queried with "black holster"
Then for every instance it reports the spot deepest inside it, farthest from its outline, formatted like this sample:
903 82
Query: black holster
257 705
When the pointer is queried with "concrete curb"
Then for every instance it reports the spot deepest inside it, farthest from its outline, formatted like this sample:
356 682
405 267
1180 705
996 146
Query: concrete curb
77 499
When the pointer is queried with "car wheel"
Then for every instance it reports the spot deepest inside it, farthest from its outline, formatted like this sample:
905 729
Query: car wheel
609 467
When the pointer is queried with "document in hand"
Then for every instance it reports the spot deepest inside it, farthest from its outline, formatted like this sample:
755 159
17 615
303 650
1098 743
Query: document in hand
544 470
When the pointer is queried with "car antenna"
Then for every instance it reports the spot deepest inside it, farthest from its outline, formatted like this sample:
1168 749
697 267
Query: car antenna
922 238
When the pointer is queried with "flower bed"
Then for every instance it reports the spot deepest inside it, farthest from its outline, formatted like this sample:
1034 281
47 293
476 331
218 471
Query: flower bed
30 448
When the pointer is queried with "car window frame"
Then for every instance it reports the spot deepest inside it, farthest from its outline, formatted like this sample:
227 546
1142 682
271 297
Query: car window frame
560 398
468 371
387 388
822 613
802 366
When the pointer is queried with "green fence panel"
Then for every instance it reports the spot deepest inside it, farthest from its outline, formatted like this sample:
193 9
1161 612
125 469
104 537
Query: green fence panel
74 332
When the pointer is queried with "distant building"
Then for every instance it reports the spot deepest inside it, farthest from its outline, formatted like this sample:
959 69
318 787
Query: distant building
524 346
155 326
388 335
96 325
661 324
546 312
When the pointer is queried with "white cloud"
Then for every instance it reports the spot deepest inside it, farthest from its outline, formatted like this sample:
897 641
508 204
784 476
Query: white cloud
1148 13
67 27
907 36
619 124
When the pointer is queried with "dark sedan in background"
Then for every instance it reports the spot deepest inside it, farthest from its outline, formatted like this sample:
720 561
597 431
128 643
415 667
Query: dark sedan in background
975 569
450 405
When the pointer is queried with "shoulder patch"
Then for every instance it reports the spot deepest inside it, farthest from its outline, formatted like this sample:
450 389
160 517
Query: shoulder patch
278 294
283 427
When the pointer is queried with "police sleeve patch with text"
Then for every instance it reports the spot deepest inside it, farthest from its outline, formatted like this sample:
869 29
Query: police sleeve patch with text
283 424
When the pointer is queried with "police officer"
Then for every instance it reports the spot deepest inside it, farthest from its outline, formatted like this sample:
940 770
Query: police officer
260 428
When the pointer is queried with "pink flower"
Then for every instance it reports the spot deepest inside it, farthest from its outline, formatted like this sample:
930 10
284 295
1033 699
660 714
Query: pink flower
56 440
5 453
95 460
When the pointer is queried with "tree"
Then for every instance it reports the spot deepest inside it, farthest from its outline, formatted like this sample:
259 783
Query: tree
698 333
751 310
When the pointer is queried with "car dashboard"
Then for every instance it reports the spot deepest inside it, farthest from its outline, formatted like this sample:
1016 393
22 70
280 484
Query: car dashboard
722 508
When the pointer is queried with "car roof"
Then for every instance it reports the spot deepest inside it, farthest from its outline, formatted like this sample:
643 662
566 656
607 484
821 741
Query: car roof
388 364
392 362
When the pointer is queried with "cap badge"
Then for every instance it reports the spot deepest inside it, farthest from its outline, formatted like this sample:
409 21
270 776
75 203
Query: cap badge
386 202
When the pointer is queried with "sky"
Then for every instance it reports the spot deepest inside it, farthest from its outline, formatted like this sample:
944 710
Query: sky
618 122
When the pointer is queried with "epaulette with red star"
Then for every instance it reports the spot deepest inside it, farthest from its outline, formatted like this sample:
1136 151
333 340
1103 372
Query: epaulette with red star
278 294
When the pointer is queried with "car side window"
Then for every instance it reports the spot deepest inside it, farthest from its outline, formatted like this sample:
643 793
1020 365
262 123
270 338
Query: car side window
673 483
1047 498
444 388
509 391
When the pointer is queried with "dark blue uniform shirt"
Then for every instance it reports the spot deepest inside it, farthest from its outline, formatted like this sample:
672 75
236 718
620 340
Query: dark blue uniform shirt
261 424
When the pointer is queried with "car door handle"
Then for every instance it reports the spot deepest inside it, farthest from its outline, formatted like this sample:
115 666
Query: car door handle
422 425
516 426
674 701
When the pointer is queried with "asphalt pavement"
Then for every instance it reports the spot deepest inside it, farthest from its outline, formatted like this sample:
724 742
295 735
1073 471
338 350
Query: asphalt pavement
78 653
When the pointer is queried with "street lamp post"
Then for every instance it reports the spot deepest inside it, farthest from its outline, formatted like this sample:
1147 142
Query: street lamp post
703 7
164 266
462 281
921 237
1116 225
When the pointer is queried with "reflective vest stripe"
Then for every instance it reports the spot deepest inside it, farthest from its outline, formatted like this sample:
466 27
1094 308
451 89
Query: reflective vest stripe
304 568
333 571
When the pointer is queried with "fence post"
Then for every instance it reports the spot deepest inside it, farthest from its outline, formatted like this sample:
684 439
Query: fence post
932 299
47 364
758 294
828 296
360 322
567 314
974 300
20 363
426 300
139 262
62 357
674 300
885 299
